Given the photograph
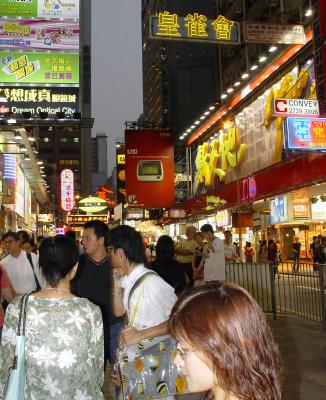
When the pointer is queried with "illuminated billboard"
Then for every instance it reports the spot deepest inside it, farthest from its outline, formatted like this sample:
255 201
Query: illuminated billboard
149 169
60 68
194 27
279 210
67 189
41 99
305 133
39 35
40 8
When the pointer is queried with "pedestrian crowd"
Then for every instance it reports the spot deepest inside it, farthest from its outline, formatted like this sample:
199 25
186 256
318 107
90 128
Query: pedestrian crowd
86 303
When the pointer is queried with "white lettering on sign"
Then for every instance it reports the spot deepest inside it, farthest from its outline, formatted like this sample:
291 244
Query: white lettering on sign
132 151
296 108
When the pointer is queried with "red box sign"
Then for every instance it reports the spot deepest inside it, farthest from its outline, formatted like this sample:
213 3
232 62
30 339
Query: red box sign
149 169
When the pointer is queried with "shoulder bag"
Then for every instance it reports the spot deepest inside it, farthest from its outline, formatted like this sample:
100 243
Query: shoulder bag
16 381
147 370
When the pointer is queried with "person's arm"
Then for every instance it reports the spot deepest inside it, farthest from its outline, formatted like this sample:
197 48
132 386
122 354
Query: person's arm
117 291
8 344
95 350
183 252
7 291
132 335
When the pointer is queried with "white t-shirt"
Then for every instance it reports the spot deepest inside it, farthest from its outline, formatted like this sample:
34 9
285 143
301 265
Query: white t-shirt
153 298
230 251
214 266
20 272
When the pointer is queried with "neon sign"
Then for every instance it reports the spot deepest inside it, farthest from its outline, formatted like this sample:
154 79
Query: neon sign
194 27
305 133
67 189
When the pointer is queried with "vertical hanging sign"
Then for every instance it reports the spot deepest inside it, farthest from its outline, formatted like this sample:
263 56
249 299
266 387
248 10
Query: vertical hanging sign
67 189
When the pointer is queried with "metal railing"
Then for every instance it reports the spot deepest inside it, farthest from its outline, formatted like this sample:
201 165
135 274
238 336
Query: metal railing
280 288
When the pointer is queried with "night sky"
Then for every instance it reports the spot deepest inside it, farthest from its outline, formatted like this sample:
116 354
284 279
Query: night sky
116 67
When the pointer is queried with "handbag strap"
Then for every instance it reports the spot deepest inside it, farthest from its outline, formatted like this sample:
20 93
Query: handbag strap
37 283
138 282
22 315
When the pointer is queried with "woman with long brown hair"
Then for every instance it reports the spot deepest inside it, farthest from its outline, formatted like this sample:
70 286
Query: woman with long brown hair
225 347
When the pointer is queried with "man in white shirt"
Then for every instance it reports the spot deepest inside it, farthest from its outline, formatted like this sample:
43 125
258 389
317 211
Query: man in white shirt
229 248
214 264
24 277
137 291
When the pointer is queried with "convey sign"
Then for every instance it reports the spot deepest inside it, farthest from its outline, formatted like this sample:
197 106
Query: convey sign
296 108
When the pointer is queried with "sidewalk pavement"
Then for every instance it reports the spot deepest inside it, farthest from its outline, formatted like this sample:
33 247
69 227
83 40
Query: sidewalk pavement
302 345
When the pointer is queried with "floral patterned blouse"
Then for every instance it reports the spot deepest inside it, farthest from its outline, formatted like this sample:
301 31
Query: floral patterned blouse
63 349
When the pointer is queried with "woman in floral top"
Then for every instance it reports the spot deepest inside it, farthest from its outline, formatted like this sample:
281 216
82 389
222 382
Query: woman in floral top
64 333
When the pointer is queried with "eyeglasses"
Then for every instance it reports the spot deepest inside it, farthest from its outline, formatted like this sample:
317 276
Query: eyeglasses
182 353
9 241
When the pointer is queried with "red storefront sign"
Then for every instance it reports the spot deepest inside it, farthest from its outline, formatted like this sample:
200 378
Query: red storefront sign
292 174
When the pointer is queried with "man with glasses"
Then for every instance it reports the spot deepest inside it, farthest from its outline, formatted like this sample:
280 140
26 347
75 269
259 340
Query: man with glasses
22 269
141 293
93 281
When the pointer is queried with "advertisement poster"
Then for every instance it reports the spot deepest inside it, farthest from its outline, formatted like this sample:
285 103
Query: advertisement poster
40 8
261 32
41 99
305 133
39 35
149 168
39 68
278 210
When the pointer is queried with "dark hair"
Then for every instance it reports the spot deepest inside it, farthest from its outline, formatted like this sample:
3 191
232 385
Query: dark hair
207 228
248 244
13 235
233 335
71 234
40 238
165 248
23 234
130 241
100 228
58 255
30 241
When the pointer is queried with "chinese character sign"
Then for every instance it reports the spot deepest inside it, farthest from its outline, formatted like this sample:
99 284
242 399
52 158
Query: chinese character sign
42 99
214 158
305 133
67 189
39 68
40 8
39 35
194 27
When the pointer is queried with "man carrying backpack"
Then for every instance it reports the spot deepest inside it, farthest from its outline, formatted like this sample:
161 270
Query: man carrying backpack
22 268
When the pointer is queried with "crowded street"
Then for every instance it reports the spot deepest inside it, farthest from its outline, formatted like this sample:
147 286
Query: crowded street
162 199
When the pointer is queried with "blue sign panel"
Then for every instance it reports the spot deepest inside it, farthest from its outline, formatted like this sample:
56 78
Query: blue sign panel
305 134
279 210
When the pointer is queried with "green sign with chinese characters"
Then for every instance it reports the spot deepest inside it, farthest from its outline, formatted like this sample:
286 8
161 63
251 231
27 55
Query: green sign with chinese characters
40 8
194 27
39 68
14 8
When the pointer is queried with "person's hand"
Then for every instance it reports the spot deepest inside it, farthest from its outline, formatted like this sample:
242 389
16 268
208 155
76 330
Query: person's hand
129 336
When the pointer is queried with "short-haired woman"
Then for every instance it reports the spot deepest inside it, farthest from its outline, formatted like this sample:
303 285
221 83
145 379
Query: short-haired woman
228 352
64 333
